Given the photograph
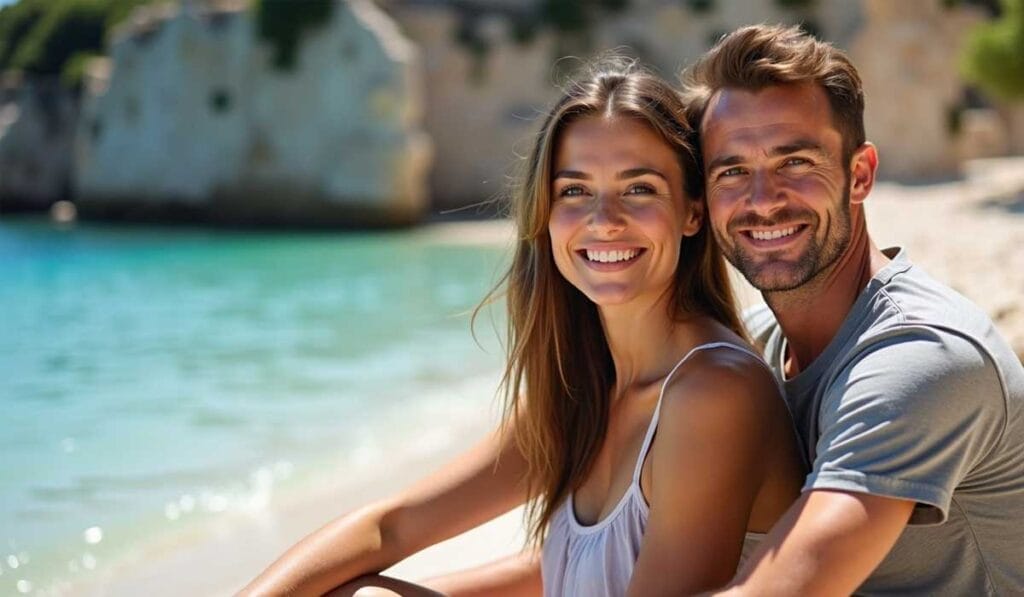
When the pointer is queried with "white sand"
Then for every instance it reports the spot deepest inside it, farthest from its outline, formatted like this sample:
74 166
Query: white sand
969 234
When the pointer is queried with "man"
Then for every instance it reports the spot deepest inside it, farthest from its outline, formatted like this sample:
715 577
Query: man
908 403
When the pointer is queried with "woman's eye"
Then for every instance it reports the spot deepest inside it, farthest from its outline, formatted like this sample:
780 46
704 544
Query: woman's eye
572 191
640 189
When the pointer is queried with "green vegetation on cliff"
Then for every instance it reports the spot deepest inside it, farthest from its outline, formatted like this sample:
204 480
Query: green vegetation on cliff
283 22
56 37
52 37
994 54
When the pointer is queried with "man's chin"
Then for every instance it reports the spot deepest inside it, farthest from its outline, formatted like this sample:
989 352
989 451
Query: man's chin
775 277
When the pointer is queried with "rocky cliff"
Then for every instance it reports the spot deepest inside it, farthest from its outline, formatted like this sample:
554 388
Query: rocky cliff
194 119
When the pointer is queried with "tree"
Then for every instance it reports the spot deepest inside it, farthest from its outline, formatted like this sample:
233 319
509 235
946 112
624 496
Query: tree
51 37
67 28
284 22
993 56
16 21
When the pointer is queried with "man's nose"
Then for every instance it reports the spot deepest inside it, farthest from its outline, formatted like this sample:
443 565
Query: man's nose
765 194
606 216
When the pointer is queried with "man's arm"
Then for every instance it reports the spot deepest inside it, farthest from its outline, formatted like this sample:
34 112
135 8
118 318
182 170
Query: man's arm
827 543
890 437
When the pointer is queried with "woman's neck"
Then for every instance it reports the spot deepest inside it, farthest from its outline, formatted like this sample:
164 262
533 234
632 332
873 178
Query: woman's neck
645 342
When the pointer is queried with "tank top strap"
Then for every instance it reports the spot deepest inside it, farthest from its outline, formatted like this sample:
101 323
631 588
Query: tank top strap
653 426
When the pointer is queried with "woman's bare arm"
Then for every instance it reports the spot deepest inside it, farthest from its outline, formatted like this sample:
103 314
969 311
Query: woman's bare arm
517 575
708 463
481 484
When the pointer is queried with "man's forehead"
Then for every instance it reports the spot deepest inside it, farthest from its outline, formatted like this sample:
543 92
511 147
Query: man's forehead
770 114
774 104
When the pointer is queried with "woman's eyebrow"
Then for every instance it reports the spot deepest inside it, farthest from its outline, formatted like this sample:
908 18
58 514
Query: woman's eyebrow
635 172
571 174
623 175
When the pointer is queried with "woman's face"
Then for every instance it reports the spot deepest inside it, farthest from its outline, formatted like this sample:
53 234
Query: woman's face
618 212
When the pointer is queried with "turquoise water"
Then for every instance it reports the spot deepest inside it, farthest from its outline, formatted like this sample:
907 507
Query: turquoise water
149 375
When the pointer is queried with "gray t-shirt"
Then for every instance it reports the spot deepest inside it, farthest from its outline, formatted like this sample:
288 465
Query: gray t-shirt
918 397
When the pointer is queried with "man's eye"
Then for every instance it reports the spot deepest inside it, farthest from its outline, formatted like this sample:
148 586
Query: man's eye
640 189
795 162
734 171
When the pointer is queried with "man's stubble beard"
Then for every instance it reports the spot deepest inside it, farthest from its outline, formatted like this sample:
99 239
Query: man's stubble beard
816 258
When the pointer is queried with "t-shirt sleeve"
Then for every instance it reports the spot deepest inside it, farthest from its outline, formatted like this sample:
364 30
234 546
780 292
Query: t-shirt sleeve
908 417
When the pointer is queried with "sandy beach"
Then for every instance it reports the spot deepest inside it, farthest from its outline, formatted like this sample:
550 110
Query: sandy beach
967 233
219 558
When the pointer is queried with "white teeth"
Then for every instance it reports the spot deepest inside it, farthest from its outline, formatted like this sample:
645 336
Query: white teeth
772 234
611 256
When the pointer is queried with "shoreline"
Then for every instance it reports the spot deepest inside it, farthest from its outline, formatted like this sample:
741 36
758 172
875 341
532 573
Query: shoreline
965 233
219 556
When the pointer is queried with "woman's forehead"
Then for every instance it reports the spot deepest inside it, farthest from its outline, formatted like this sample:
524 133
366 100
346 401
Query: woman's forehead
598 141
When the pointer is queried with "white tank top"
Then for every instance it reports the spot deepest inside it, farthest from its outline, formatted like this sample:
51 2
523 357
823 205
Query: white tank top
598 560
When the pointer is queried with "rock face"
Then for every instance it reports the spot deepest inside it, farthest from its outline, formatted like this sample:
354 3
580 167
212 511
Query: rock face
907 54
37 121
482 110
194 121
189 119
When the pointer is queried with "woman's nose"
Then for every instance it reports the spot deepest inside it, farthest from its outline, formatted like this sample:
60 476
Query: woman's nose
606 216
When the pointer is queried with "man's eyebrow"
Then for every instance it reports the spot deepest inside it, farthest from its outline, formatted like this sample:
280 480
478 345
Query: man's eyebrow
724 161
778 150
796 146
571 174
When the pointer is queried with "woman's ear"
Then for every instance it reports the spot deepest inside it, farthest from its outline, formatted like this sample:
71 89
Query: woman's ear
693 215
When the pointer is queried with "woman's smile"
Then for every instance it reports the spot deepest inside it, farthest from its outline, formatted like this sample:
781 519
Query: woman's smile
610 259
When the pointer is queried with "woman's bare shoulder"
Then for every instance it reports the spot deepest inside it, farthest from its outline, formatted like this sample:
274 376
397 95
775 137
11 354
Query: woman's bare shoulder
722 386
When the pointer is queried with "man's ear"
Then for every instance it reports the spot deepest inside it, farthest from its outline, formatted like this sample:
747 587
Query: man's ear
693 216
863 166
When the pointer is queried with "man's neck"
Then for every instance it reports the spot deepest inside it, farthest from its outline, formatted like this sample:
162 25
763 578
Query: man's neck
811 315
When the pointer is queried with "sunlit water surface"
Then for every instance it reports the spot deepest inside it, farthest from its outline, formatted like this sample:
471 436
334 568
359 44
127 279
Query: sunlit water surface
151 376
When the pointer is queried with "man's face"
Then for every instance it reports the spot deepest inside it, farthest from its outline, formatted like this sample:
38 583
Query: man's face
777 188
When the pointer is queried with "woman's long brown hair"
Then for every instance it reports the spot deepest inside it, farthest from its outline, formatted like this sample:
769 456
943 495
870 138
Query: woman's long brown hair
559 374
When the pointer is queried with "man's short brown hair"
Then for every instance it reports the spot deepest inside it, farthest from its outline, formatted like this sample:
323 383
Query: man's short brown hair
759 56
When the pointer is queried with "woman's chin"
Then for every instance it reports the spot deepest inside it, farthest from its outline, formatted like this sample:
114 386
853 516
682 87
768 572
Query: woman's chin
610 295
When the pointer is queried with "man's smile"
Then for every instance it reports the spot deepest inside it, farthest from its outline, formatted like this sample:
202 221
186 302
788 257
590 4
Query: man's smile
773 237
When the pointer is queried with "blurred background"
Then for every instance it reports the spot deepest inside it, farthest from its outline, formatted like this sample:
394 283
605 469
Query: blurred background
240 239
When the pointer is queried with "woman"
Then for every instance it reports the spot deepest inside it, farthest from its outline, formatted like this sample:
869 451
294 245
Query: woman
645 437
